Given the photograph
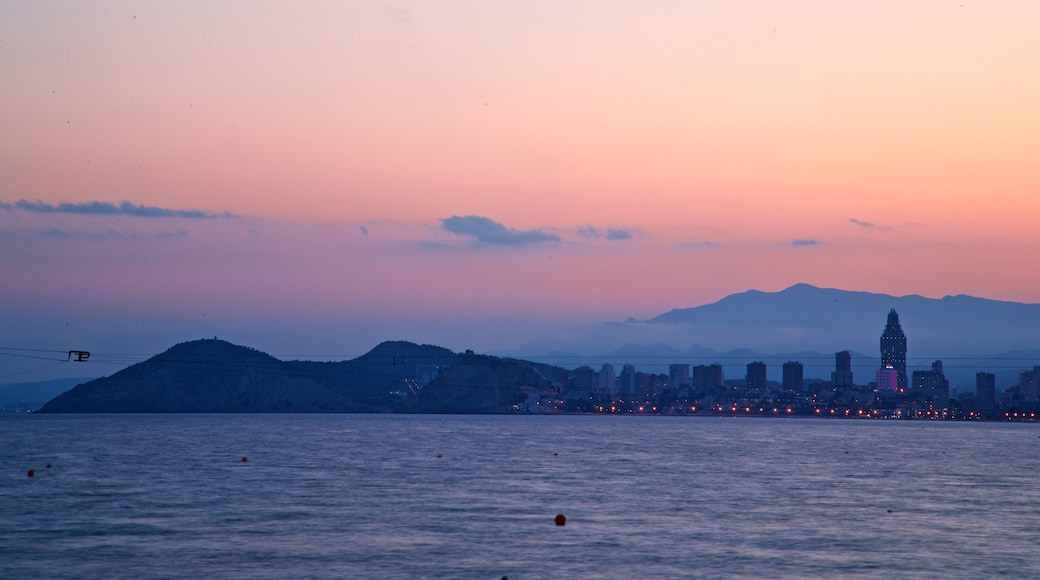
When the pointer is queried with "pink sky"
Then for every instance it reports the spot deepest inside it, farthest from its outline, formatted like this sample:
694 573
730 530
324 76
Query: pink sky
401 168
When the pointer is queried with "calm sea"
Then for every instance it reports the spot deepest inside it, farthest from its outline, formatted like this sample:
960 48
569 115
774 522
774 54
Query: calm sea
391 496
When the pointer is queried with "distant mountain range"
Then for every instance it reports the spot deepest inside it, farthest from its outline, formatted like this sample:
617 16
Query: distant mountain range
214 376
810 324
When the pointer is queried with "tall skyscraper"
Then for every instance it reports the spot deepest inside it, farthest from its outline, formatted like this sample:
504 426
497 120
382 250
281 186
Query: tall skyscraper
708 376
893 348
985 392
608 381
756 375
793 376
1029 389
678 375
842 375
934 385
627 388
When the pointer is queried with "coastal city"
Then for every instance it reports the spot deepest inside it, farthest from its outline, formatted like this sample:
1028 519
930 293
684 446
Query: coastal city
703 389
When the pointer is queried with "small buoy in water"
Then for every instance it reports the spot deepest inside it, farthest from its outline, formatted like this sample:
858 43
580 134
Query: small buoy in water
30 473
556 454
48 466
560 519
244 459
889 511
439 456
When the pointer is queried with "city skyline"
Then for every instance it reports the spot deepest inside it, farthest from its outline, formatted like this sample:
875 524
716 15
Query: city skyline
316 180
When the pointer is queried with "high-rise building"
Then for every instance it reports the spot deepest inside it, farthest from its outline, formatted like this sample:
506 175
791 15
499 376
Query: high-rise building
793 376
608 381
893 348
1029 389
708 376
627 380
756 375
985 392
934 385
887 379
678 375
841 378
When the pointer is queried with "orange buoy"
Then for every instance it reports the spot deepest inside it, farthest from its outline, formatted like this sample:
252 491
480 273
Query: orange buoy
30 473
561 519
244 460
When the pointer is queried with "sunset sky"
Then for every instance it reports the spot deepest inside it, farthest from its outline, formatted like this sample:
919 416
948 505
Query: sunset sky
315 177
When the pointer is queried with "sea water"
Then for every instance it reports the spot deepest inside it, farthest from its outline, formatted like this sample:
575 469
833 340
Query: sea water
398 496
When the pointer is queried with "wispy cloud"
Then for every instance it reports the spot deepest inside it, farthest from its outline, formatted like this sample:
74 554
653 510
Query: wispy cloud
701 245
107 235
805 242
487 231
125 208
610 234
869 225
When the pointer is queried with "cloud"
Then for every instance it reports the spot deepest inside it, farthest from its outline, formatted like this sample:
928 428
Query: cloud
611 234
107 235
589 232
701 245
802 242
614 234
869 225
487 231
107 208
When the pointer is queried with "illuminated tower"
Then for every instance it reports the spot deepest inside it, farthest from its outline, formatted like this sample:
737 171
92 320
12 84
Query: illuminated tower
893 348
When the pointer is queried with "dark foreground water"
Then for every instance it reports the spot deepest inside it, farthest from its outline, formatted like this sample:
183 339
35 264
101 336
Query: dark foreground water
363 496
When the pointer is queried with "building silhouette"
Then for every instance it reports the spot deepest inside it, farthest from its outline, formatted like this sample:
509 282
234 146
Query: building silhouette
1028 391
678 375
756 375
708 376
841 378
985 393
793 379
893 348
933 386
608 381
627 381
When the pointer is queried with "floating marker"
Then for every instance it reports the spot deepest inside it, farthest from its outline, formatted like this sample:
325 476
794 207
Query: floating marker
48 466
556 454
561 520
244 459
439 456
30 473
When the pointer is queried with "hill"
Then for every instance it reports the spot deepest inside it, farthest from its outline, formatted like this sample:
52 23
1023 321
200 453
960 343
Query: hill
214 376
